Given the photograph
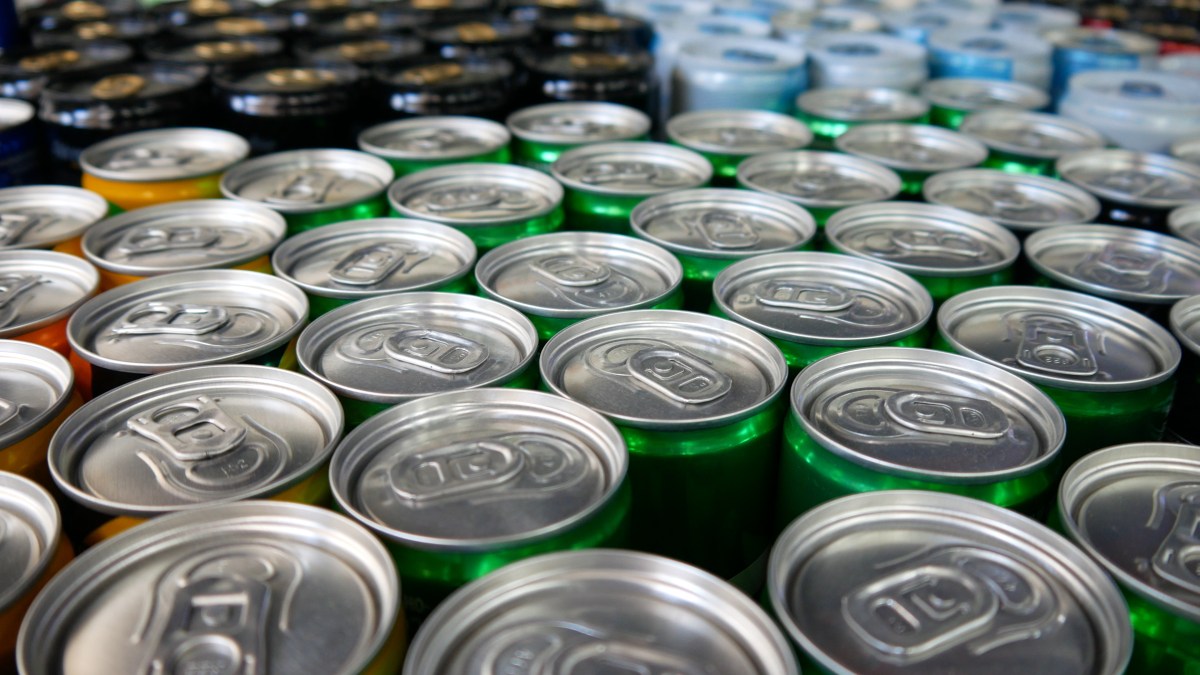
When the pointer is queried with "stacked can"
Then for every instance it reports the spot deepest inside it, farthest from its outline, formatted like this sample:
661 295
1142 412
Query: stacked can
726 137
991 55
1080 50
821 182
413 145
737 72
39 386
1029 142
625 78
28 221
1185 326
672 32
542 133
1135 189
20 151
953 99
866 60
475 87
1021 203
1147 112
913 151
829 113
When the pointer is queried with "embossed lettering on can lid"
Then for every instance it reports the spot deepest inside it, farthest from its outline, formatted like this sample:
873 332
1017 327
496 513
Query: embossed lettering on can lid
738 132
365 258
971 94
187 319
404 346
1119 263
194 437
1185 323
465 195
434 138
1187 150
819 179
30 530
928 415
39 288
717 223
661 369
551 463
1184 222
15 112
1102 40
1031 134
164 155
40 216
1061 339
246 587
631 168
578 274
187 235
912 147
577 123
35 386
923 239
601 611
1136 178
306 181
930 582
1019 202
862 104
1133 508
822 299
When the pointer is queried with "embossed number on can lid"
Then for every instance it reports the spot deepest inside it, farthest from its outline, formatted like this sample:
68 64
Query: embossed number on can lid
164 155
304 181
631 168
30 529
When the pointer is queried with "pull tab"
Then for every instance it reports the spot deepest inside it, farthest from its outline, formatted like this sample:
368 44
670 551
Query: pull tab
946 414
9 411
15 225
727 230
308 187
571 270
803 295
370 265
678 375
1056 344
436 350
13 286
164 318
1177 559
935 243
190 430
1125 268
152 239
569 125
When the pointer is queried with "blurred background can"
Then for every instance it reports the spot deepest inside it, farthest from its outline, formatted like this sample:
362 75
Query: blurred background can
737 72
420 143
1021 141
726 137
952 99
48 216
829 113
913 151
39 290
39 385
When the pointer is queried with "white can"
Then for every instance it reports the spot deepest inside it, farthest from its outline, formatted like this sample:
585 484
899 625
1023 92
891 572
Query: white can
737 72
1144 111
866 60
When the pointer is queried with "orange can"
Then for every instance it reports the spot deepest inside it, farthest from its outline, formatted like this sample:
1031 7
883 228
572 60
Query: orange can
145 168
36 396
39 290
48 216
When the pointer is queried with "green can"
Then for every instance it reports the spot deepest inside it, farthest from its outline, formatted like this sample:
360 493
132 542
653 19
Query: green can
556 280
829 113
708 230
338 264
697 400
381 352
946 249
311 188
814 305
954 98
492 204
915 151
421 143
1020 202
542 133
726 137
463 483
821 182
1110 370
1134 508
1020 141
606 181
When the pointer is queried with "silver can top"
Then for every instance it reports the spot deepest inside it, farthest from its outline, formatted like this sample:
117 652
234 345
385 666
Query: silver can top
466 195
929 582
1102 41
737 132
36 385
39 288
716 223
632 169
600 611
578 123
195 437
991 43
970 94
1060 338
187 319
866 104
1187 150
235 588
662 369
40 216
1020 202
819 179
1184 222
1031 134
913 147
307 181
434 138
29 538
1135 178
403 346
160 155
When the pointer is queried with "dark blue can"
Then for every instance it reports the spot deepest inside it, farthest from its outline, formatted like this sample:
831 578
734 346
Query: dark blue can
19 148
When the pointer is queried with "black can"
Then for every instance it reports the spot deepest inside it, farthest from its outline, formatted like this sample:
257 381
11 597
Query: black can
216 53
367 52
20 161
446 12
23 73
64 15
474 87
531 11
624 78
187 12
306 14
479 40
133 30
593 31
380 20
255 24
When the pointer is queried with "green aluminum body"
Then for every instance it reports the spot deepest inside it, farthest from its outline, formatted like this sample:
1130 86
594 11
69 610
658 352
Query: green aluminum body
541 155
321 304
826 130
549 326
944 116
368 208
489 237
587 212
404 167
1014 163
1163 642
1184 421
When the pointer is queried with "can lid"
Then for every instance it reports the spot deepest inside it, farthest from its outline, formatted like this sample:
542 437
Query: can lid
604 65
1118 263
737 132
1185 323
164 155
245 586
367 50
253 21
1136 178
32 528
1123 94
15 112
434 138
864 50
819 179
1184 222
1029 16
1187 150
923 239
1031 134
862 104
216 49
195 437
678 27
797 25
40 216
468 195
1060 339
917 23
404 346
39 288
179 236
187 319
631 169
578 274
1133 509
598 611
552 463
1102 41
268 79
913 147
1019 202
307 181
928 415
1002 43
932 582
660 369
442 74
489 32
715 223
35 386
822 299
128 84
739 54
575 123
971 94
376 256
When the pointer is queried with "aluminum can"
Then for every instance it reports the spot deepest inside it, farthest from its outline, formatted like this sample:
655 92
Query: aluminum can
133 30
530 11
1135 189
186 12
307 14
1025 142
48 216
541 133
952 99
39 396
1034 18
446 11
1187 150
726 137
919 23
762 10
217 53
20 147
478 39
380 19
1184 222
913 151
1021 203
821 182
987 54
426 142
829 113
38 292
477 88
866 60
1186 63
1147 112
799 26
673 31
1184 322
365 51
249 22
24 72
625 78
592 31
737 72
58 15
1080 50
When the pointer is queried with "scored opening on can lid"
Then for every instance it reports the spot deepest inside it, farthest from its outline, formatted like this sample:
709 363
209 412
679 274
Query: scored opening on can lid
819 179
574 123
1031 134
308 181
1136 178
32 530
862 104
36 383
971 94
737 132
40 216
912 147
1188 150
1020 202
40 288
1185 323
722 223
160 155
631 169
436 138
1060 339
889 558
602 609
469 195
1184 222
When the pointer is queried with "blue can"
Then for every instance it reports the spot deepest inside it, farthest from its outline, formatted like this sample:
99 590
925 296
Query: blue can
10 32
991 55
18 142
1082 50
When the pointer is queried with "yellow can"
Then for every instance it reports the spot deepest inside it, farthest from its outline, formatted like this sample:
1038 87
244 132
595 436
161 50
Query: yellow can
39 290
36 396
48 216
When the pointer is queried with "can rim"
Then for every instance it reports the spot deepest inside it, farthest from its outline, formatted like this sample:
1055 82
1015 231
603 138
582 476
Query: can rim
38 499
80 270
549 188
1018 94
1186 148
494 134
1086 137
93 203
49 363
1179 315
1130 42
634 123
575 157
708 52
801 159
1184 222
961 179
795 132
1066 164
824 102
971 152
367 164
1020 47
